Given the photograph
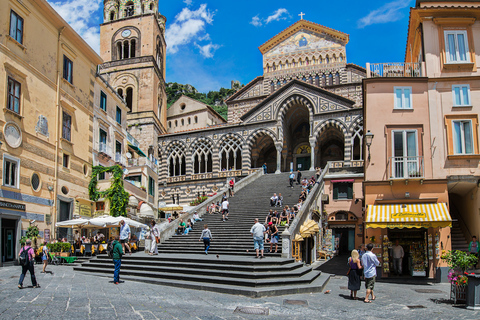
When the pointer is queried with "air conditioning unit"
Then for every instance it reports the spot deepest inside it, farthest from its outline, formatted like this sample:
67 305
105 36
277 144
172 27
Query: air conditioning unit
325 198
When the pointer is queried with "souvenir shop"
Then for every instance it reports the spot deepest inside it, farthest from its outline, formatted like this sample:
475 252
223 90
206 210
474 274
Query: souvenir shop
422 230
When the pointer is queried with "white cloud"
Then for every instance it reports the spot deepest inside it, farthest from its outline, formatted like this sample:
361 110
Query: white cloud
389 12
207 50
188 2
256 21
189 26
78 14
277 15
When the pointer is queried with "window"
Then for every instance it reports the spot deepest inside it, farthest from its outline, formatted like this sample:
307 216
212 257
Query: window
100 206
129 98
342 190
151 186
102 175
195 119
14 90
11 167
119 115
403 98
189 121
103 141
67 126
456 46
67 69
35 181
461 95
462 137
169 124
129 9
183 122
405 160
118 147
16 27
103 101
66 160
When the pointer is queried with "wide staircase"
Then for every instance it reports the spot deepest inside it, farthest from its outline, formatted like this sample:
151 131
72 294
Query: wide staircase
231 266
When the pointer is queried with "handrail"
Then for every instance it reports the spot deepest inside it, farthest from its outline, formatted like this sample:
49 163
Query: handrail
294 228
464 226
167 230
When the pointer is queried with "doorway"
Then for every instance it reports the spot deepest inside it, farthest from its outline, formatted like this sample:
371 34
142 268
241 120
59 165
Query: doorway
64 214
8 239
346 240
303 163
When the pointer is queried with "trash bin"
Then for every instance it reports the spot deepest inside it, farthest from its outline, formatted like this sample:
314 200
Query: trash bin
473 292
148 245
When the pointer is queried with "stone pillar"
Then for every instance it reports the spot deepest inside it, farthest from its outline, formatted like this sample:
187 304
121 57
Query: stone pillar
286 245
279 148
312 154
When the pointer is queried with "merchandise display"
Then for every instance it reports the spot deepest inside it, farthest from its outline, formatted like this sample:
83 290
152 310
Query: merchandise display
418 259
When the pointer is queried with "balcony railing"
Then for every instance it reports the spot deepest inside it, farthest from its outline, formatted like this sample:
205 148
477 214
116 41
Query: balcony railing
132 140
105 148
395 70
120 159
138 162
406 168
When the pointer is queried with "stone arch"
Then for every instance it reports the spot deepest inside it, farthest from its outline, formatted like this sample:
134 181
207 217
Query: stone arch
230 151
117 39
201 158
252 140
356 138
124 82
292 100
331 142
176 159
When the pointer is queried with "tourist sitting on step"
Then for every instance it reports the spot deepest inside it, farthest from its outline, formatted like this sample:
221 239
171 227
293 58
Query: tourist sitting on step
299 204
273 200
279 200
188 228
196 217
211 208
181 227
269 217
303 196
284 220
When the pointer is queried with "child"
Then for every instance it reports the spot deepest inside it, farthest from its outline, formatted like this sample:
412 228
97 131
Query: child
206 236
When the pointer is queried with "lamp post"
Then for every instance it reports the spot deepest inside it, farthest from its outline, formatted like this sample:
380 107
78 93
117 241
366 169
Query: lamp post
368 141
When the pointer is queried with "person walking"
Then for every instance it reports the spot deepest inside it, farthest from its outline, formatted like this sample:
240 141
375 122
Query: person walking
299 177
398 254
26 259
154 236
264 168
125 235
206 236
370 264
354 274
225 206
231 185
291 177
45 252
117 259
273 232
258 231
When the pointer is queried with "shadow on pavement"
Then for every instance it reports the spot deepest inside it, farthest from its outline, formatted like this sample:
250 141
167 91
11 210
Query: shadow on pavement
337 266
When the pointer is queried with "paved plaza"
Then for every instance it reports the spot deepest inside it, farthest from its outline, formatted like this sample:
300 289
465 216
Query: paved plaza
65 294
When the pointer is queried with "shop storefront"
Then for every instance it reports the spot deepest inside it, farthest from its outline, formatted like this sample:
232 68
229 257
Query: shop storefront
422 230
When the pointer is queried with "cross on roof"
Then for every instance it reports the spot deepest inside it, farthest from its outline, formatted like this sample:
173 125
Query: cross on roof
301 15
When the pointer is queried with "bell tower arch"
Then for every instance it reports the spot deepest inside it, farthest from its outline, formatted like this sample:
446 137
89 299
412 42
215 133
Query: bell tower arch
132 44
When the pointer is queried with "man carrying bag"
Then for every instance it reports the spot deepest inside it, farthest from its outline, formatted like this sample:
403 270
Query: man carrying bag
26 258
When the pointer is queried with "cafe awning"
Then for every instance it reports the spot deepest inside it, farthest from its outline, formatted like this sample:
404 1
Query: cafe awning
417 215
137 150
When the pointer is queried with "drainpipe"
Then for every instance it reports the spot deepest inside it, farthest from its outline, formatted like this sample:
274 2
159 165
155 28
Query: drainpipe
57 139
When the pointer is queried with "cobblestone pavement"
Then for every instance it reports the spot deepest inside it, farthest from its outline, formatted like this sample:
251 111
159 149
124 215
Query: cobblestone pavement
73 295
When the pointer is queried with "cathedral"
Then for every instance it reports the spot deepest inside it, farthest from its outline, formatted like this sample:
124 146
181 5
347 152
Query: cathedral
303 111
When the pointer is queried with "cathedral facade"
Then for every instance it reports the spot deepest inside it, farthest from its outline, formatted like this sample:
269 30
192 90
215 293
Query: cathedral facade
305 110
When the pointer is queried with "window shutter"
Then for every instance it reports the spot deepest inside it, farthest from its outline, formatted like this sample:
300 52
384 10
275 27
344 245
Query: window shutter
335 191
349 190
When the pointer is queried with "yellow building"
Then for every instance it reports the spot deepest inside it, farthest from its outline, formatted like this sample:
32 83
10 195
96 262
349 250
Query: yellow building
47 78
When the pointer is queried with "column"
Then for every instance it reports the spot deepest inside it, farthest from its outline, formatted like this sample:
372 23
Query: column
312 154
279 147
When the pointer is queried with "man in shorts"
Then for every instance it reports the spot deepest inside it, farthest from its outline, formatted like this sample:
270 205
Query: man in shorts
125 236
225 206
370 264
258 231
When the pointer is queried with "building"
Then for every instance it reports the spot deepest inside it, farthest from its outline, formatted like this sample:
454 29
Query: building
189 114
423 158
47 80
304 111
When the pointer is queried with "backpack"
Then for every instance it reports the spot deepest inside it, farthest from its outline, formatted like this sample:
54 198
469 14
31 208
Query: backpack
24 258
110 249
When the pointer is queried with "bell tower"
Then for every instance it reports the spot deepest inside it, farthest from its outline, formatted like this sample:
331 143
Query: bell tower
132 44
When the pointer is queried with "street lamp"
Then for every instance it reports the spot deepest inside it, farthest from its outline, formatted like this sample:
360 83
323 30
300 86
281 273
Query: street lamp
368 141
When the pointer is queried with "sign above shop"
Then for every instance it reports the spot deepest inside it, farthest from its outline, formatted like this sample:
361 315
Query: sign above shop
11 205
399 215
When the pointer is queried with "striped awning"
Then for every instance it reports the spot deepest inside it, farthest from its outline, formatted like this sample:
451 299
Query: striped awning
421 215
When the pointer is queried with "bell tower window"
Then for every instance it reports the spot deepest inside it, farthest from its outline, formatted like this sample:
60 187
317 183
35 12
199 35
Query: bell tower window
112 15
151 6
129 9
129 98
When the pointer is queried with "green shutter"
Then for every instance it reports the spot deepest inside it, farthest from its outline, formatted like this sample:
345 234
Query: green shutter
335 191
349 190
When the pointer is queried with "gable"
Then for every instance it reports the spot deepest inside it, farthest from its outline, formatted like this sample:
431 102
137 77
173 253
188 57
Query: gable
191 105
304 40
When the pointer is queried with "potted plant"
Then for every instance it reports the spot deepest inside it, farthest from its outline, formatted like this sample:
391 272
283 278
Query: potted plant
458 262
65 249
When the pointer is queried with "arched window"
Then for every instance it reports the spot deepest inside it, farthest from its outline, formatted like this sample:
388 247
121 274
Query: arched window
307 62
272 87
129 9
340 58
112 15
294 63
195 119
151 6
310 80
120 92
327 59
170 124
320 60
317 80
330 79
176 123
324 80
159 55
176 161
304 78
189 121
202 156
231 154
337 78
183 122
357 142
133 47
129 99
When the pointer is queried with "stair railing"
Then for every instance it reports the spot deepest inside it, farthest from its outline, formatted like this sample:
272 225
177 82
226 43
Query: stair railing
303 214
463 226
167 230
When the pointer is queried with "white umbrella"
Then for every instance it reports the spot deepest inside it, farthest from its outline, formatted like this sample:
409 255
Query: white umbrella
74 223
109 221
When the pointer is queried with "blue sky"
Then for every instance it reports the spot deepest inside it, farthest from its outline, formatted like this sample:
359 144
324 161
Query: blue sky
211 42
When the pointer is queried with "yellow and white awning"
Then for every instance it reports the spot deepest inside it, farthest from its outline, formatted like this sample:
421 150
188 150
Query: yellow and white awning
421 215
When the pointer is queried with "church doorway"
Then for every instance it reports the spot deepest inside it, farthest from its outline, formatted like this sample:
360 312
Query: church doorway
264 151
296 128
331 146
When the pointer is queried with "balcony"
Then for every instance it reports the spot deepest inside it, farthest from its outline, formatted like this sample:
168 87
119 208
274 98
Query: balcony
406 168
120 159
105 149
395 70
135 188
139 162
